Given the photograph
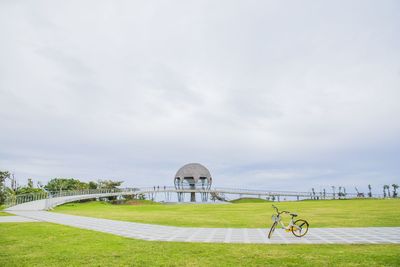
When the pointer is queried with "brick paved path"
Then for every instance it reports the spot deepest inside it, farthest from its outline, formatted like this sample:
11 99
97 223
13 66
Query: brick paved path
368 235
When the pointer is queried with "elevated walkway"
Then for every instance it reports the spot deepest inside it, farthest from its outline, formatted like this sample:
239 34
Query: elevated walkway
46 201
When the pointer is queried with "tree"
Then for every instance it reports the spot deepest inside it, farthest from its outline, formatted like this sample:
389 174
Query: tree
313 193
27 189
141 196
30 183
333 191
395 186
108 184
342 192
386 187
3 176
370 192
384 191
358 193
324 193
93 185
60 184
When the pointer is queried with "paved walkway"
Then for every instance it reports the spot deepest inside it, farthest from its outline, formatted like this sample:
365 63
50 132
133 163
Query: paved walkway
369 235
12 219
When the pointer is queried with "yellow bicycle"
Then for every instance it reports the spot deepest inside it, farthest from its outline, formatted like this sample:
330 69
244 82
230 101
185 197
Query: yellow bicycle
299 227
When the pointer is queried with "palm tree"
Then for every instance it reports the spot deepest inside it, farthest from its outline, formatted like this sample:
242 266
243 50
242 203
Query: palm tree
369 193
324 193
344 192
340 192
313 192
384 191
358 193
395 186
333 190
386 187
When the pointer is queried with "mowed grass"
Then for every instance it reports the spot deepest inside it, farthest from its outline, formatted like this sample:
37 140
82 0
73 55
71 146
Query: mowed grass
46 244
249 200
323 213
2 213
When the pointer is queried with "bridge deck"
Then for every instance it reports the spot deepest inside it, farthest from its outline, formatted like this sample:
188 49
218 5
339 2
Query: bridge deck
47 201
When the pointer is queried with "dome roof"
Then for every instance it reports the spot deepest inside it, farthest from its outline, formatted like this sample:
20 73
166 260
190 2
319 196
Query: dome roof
194 170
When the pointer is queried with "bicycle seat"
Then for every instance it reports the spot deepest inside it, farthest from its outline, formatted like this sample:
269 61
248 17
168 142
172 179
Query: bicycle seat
293 214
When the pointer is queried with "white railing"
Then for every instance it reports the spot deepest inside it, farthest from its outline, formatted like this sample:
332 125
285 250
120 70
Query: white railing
13 200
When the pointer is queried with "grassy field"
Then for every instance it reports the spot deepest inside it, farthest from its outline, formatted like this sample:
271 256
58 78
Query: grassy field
328 213
45 244
3 213
249 200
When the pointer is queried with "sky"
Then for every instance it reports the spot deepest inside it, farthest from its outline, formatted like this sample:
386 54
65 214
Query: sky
283 95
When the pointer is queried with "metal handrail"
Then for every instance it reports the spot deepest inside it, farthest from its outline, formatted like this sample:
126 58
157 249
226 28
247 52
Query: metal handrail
13 200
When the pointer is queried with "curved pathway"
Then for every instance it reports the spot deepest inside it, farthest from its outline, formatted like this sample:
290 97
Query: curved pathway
368 235
13 219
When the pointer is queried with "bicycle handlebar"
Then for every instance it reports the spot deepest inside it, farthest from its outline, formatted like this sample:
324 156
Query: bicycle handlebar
277 211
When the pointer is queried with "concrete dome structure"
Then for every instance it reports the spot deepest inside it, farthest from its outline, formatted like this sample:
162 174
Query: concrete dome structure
193 176
194 171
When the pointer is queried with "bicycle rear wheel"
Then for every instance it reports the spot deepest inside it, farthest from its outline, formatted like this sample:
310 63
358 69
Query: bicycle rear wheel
272 230
300 228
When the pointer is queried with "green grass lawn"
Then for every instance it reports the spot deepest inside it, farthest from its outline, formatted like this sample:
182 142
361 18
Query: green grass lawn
249 200
323 213
46 244
2 213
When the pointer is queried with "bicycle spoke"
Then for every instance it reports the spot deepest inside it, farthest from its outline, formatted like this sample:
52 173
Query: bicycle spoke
300 228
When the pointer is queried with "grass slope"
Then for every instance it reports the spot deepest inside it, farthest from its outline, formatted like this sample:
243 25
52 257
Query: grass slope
3 213
45 244
328 213
249 200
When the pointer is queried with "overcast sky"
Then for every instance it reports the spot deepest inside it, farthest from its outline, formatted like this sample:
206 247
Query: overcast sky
270 94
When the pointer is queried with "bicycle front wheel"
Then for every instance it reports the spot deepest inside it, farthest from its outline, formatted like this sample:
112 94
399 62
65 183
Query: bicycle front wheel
272 229
300 228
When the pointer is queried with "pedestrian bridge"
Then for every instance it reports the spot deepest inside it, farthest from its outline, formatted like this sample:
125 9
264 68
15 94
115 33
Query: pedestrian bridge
49 200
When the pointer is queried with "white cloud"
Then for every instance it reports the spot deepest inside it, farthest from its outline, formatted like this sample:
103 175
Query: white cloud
273 90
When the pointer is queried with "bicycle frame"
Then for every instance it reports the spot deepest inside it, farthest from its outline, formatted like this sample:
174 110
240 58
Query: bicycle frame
289 227
277 218
294 226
